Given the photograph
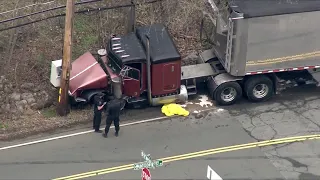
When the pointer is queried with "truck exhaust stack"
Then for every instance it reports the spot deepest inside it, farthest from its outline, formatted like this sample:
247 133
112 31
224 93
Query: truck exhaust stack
149 70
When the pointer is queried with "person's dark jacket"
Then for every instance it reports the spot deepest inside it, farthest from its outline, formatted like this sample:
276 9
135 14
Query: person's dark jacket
98 101
114 108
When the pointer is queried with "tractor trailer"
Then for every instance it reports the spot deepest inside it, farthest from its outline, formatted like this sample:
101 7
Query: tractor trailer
257 47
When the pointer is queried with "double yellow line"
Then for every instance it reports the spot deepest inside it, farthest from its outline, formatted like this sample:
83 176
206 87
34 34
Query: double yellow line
196 154
284 59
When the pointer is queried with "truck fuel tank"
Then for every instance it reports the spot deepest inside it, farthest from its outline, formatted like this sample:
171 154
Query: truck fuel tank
182 97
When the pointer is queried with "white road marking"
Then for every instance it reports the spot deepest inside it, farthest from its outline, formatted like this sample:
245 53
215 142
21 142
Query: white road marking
77 134
87 132
212 175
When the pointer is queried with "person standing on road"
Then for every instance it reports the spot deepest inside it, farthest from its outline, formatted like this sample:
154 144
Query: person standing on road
97 110
113 110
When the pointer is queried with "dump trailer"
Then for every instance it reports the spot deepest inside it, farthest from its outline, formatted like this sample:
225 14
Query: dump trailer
261 45
257 47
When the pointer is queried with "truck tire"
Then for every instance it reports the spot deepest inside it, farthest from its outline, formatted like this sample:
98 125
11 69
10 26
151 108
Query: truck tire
228 93
259 88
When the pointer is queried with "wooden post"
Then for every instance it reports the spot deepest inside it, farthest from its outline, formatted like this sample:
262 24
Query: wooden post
63 107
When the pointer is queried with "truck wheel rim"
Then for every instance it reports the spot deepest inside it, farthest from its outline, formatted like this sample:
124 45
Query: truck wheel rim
228 94
260 91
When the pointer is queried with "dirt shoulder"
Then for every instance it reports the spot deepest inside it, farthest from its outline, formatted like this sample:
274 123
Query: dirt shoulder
42 121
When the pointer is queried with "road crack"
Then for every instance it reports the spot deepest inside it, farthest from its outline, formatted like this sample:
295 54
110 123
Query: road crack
296 165
300 114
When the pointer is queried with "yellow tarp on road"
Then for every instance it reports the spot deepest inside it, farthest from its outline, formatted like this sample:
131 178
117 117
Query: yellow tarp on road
174 109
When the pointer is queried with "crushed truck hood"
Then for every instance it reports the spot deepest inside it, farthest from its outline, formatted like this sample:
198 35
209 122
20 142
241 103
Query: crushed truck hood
86 73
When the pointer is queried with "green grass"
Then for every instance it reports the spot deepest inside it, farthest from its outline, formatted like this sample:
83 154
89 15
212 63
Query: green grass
86 35
89 40
3 126
81 23
41 58
49 112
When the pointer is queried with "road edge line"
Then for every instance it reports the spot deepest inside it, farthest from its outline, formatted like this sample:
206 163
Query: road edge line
90 131
77 134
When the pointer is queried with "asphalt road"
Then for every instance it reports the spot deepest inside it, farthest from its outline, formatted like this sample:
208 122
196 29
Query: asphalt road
160 139
294 113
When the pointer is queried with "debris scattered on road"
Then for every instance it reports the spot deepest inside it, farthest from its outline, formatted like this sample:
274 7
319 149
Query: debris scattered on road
186 104
204 101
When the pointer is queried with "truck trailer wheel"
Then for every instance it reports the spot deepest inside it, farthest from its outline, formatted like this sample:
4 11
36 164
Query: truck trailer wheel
258 88
227 93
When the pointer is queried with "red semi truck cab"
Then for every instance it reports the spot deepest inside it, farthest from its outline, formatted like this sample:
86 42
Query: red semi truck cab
123 69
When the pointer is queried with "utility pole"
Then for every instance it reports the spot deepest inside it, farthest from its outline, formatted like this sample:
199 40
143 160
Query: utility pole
132 17
63 107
